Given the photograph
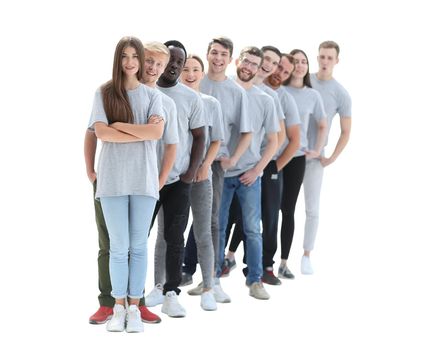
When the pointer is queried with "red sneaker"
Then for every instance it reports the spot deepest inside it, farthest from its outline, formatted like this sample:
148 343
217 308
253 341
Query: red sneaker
148 316
103 314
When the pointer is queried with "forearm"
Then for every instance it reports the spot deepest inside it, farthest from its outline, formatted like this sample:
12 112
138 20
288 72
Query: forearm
340 145
242 146
321 136
268 153
168 160
108 134
89 151
293 134
281 134
196 154
212 152
141 131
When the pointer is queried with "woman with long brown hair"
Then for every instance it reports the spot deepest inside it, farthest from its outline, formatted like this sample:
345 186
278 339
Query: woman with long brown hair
127 117
310 107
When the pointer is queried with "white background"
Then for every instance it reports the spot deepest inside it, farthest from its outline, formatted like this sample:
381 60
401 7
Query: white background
365 293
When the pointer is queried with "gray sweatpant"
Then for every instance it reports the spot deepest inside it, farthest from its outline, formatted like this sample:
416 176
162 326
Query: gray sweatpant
217 186
201 206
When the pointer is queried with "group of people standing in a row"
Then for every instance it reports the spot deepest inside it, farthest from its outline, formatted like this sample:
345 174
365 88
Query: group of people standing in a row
234 150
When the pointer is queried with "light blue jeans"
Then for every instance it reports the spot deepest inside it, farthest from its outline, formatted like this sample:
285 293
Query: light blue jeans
250 202
128 219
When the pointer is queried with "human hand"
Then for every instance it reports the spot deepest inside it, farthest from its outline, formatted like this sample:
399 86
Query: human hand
312 154
92 176
202 173
227 163
155 119
249 177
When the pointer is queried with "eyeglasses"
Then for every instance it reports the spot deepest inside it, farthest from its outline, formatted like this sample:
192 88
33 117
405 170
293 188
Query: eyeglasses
247 62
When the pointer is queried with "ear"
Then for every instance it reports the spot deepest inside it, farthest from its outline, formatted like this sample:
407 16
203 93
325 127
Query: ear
237 61
230 60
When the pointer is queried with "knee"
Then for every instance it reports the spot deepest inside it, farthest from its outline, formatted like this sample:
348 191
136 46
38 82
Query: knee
312 213
119 255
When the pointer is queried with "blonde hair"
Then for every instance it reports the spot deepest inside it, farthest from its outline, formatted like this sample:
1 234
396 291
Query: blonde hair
155 46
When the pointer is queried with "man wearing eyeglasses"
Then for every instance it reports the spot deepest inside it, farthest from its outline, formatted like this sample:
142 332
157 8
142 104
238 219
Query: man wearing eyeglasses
243 179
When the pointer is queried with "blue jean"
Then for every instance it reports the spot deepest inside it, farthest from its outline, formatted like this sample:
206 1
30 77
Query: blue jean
128 219
249 198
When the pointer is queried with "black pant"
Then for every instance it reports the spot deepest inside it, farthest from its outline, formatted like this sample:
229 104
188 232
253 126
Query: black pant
293 175
175 201
271 201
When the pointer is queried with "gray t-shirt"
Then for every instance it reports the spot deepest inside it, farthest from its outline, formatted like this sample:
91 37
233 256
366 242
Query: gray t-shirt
310 105
129 168
278 108
170 135
291 114
336 100
189 116
264 120
213 118
233 100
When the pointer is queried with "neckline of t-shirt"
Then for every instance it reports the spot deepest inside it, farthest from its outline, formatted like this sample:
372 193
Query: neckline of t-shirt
322 81
135 89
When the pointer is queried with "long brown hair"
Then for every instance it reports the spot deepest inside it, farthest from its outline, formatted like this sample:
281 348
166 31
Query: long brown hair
306 79
114 95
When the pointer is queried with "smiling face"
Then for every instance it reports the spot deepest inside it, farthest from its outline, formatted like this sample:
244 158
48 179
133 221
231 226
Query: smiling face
247 67
301 66
192 74
218 58
282 73
174 67
270 64
130 62
155 63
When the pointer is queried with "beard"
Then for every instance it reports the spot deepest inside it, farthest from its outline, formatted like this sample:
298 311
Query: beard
275 82
244 78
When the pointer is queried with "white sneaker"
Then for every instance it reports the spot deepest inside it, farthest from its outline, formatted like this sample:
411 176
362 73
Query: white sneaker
155 297
306 268
196 290
118 321
220 295
258 291
171 306
207 301
134 322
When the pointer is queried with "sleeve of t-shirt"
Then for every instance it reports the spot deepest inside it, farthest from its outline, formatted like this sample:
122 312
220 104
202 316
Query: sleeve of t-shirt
217 128
98 112
155 105
170 135
278 108
197 116
291 111
243 116
271 122
319 109
345 105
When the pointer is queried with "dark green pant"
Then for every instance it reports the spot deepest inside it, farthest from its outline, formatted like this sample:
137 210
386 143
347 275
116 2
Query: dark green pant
104 282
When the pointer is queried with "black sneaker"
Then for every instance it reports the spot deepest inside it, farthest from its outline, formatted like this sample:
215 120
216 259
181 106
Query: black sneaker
228 267
284 272
186 279
269 278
